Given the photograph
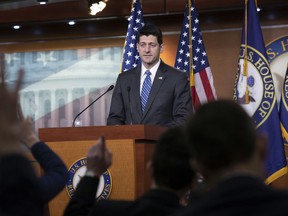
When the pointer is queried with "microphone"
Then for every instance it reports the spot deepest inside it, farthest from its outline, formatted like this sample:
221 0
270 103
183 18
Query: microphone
109 89
128 90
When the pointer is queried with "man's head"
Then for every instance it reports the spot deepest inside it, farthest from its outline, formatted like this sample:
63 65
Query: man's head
150 45
171 161
222 136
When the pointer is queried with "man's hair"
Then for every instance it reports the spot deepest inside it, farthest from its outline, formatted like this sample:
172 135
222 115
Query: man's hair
151 29
221 134
171 160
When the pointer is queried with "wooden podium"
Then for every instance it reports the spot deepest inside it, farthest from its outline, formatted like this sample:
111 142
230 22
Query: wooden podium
131 146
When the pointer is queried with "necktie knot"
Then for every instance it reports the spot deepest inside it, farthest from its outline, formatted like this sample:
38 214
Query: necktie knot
147 73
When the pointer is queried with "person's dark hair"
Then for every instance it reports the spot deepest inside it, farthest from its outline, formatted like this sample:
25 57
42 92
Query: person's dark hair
170 160
220 134
151 29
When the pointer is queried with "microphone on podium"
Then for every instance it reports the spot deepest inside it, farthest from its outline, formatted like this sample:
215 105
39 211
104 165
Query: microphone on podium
109 89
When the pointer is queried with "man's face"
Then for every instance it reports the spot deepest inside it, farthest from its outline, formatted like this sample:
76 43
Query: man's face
149 50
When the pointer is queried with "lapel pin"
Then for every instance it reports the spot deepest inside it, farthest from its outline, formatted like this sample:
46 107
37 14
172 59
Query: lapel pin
160 78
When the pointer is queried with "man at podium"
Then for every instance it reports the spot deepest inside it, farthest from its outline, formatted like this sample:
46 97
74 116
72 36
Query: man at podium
153 92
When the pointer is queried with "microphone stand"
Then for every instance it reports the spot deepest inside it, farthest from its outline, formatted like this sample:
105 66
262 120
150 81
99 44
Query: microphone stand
109 89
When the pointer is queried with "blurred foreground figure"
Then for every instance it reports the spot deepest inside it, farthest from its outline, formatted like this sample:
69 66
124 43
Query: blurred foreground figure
171 176
230 155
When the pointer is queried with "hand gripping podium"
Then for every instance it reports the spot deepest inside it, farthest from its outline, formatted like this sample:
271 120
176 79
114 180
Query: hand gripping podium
131 145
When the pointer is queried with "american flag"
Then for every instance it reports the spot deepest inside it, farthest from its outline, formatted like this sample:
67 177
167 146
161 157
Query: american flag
201 78
130 54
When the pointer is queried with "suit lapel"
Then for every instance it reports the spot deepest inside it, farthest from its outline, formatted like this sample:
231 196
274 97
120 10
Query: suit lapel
157 83
135 86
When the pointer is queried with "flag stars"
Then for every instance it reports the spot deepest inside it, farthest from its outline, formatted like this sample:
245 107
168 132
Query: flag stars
194 29
186 63
197 49
131 45
187 25
181 51
133 37
127 62
196 21
199 41
131 56
202 62
185 34
204 53
183 42
187 54
179 60
195 58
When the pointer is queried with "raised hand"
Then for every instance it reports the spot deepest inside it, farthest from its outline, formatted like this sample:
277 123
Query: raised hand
9 122
99 158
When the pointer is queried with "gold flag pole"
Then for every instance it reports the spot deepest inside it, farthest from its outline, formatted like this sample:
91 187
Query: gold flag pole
192 83
245 66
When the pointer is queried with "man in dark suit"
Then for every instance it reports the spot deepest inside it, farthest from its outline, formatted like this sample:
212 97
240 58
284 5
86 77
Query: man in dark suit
168 101
171 176
231 156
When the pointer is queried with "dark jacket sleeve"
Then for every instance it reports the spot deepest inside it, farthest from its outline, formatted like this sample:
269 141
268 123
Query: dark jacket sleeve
20 191
182 105
117 114
55 172
83 198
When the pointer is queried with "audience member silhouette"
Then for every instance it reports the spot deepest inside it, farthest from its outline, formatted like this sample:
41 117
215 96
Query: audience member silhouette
171 175
22 192
229 153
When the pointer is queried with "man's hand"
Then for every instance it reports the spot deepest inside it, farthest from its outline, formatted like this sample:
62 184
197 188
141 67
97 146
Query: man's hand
99 158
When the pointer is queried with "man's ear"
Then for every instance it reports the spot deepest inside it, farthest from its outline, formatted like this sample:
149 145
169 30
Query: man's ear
137 46
162 47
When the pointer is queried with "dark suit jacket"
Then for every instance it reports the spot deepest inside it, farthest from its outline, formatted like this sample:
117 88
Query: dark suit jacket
154 202
242 195
169 102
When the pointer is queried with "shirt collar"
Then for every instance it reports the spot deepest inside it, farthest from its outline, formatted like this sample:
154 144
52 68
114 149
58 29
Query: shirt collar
153 70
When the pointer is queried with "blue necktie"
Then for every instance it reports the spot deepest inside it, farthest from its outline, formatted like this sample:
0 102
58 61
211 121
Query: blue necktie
145 90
